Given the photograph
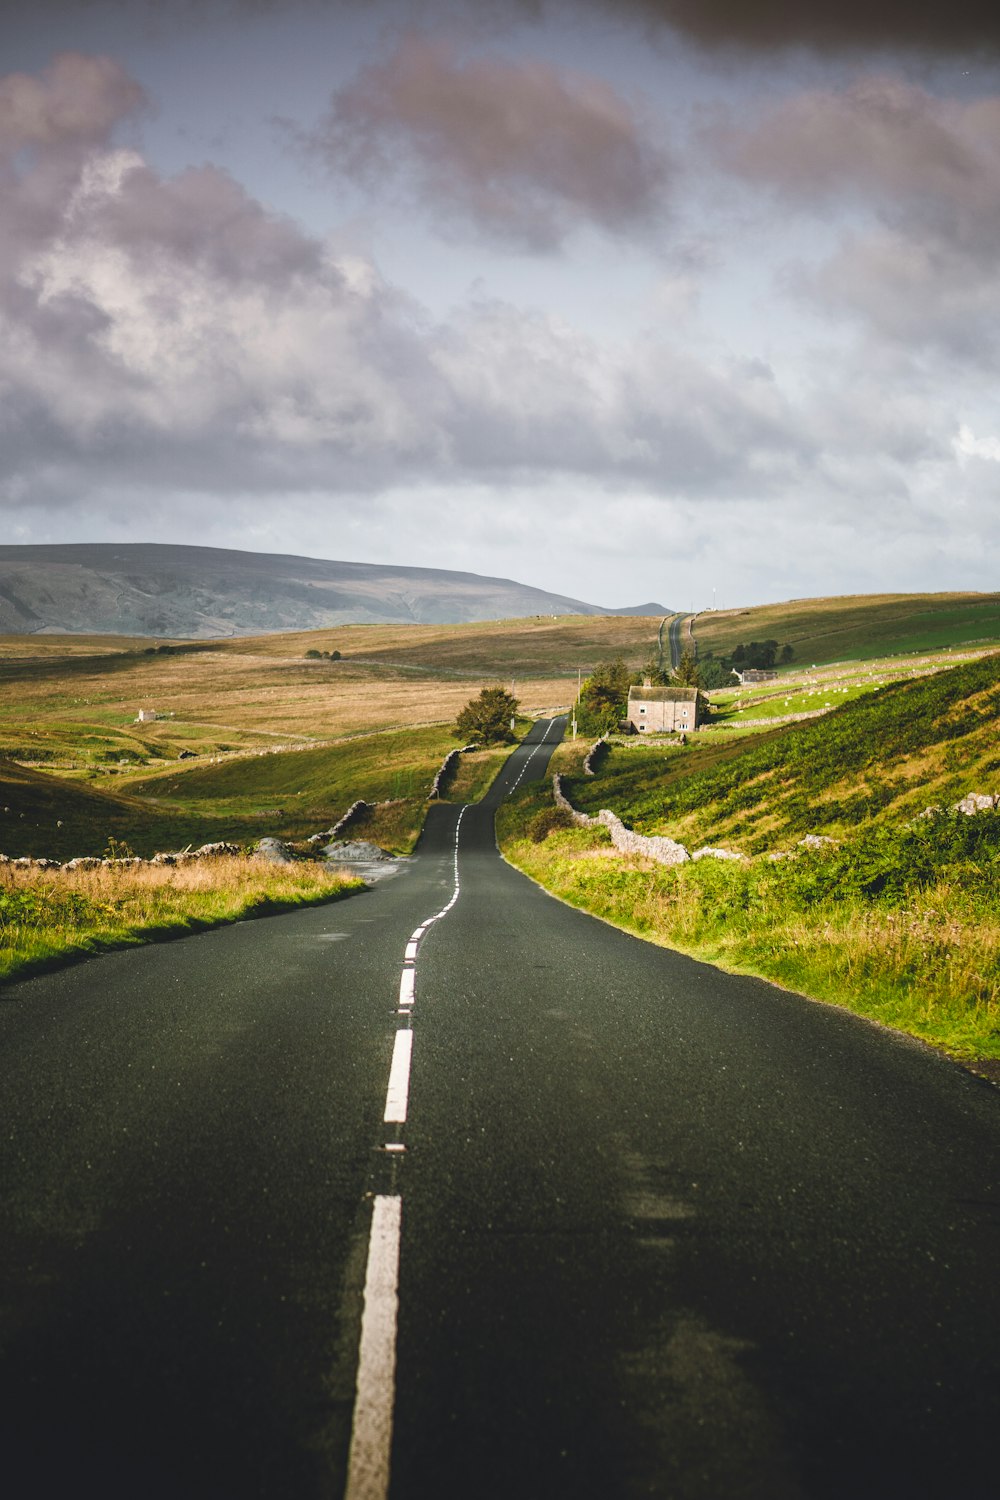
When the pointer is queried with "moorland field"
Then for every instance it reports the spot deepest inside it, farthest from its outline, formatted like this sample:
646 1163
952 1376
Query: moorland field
893 914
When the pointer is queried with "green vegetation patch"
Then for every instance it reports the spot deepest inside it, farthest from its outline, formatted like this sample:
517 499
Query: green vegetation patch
889 753
859 627
904 931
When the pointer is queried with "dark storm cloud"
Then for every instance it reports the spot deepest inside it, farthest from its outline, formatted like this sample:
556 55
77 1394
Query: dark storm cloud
522 150
960 27
927 25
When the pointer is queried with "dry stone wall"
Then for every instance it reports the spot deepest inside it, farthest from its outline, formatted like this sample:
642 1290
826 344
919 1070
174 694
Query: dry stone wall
447 769
668 852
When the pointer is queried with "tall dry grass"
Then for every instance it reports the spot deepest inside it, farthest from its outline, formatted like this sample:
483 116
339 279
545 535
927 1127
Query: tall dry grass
47 916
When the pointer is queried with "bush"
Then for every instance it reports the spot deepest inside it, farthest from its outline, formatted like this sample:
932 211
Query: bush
487 719
549 820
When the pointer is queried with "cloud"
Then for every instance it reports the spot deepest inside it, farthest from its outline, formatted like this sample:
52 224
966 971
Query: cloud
522 151
173 354
880 138
76 100
927 172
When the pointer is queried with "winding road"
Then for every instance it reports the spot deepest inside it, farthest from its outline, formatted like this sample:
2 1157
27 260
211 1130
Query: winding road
604 1223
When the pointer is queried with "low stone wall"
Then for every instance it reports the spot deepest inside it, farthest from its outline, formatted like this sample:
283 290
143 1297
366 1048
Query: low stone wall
652 846
356 811
94 862
445 772
447 769
595 755
668 852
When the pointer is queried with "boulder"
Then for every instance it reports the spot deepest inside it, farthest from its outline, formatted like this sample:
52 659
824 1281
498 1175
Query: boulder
357 851
977 802
275 850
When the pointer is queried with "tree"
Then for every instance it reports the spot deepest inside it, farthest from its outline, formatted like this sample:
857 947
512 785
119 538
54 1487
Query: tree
603 698
687 673
658 676
715 672
786 654
487 719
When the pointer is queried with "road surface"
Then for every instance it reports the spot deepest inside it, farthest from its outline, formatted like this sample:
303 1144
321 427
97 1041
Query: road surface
653 1230
675 645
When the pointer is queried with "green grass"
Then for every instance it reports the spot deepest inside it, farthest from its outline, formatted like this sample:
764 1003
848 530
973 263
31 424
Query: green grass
290 794
857 627
885 755
897 919
925 962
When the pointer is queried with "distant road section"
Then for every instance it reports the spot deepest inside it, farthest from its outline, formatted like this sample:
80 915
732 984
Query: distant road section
676 645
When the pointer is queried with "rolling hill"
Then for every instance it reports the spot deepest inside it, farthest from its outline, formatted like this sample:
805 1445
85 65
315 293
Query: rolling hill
856 627
147 589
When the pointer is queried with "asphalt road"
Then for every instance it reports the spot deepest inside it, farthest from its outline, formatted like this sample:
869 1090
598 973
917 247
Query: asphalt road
664 1231
676 648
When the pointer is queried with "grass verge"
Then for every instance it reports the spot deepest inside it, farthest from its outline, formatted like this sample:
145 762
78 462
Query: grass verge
925 961
52 917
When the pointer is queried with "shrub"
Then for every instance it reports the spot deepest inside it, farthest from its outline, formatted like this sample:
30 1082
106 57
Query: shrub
487 719
549 820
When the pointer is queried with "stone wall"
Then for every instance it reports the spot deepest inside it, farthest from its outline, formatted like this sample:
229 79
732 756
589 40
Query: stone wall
651 846
668 852
595 755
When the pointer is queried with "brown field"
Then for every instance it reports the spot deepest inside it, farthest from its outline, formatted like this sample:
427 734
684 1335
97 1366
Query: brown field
65 706
542 646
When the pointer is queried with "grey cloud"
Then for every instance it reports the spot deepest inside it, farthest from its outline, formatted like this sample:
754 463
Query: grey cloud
918 291
522 150
963 27
925 25
926 169
169 335
76 99
880 137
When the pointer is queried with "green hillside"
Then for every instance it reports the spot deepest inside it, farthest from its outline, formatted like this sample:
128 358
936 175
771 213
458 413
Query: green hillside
857 627
892 913
239 797
885 756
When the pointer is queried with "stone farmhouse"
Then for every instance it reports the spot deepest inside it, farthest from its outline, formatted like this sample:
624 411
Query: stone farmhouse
663 710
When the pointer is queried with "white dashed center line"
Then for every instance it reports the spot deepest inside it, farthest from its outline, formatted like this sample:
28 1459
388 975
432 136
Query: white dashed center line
398 1093
371 1434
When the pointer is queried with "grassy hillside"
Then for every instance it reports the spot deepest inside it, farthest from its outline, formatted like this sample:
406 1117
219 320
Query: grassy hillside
52 917
858 627
895 915
238 798
885 756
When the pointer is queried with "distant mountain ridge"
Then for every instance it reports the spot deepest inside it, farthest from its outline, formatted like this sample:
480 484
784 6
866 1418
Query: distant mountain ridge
156 589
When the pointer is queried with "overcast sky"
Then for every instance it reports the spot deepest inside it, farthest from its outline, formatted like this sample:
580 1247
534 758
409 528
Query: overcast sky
672 300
